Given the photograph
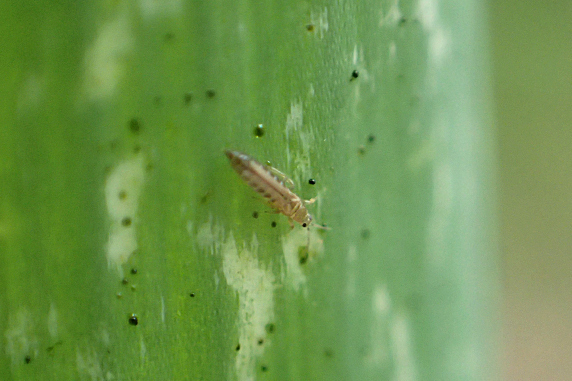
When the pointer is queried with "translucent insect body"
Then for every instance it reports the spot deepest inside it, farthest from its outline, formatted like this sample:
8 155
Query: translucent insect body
273 185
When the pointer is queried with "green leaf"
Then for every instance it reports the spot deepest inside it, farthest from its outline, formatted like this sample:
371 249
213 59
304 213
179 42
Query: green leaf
129 248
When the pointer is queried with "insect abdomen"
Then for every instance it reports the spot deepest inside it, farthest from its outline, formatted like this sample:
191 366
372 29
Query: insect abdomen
262 181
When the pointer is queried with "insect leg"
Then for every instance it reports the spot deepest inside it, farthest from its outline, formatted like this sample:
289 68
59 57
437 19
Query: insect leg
282 177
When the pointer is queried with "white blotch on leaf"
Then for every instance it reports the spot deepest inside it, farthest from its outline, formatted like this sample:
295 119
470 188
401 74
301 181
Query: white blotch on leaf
392 16
122 190
161 8
53 321
294 244
254 285
21 339
106 58
320 22
404 355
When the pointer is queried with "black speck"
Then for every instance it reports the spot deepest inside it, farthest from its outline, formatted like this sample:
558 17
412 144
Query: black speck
270 328
133 319
312 181
260 341
371 138
124 281
365 233
237 347
192 294
134 126
264 368
210 93
304 225
255 214
27 359
303 254
126 221
355 74
52 347
273 224
188 97
205 197
402 21
133 271
310 27
259 131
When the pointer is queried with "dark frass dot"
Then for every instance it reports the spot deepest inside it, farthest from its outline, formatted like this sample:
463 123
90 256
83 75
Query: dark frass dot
270 328
255 214
370 138
210 93
259 131
403 20
355 74
134 126
126 221
365 233
310 27
27 359
192 294
124 281
52 347
205 197
237 347
273 224
188 97
303 254
133 319
264 368
133 271
260 341
312 181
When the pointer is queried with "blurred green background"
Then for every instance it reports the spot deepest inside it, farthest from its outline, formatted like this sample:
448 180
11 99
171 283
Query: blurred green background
532 61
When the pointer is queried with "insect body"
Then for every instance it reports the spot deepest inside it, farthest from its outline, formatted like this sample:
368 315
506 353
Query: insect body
273 185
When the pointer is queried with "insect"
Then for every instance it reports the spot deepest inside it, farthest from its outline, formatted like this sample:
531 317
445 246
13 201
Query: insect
273 185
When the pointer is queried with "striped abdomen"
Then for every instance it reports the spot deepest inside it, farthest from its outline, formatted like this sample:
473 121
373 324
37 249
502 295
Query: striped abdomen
259 178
